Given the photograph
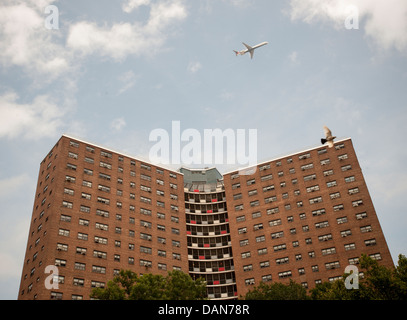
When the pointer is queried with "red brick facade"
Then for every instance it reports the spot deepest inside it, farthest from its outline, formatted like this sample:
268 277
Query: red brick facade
303 217
96 212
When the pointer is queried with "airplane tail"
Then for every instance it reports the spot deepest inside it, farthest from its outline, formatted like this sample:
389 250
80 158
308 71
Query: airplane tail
237 52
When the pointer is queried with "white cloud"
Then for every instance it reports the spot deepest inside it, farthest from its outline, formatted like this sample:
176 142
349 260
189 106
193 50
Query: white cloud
384 22
118 124
124 39
131 5
35 120
25 42
293 58
194 67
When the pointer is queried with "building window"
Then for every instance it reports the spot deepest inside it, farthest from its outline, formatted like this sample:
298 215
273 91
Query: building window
256 214
235 186
99 269
318 212
357 203
328 251
350 179
270 199
331 184
246 255
146 263
242 230
338 207
365 229
277 235
63 232
79 266
267 177
248 267
346 168
332 265
67 204
266 278
310 177
370 242
275 222
239 207
282 260
280 247
56 295
104 176
350 246
375 256
342 220
315 200
304 156
322 224
343 157
273 210
284 274
325 237
335 195
360 216
325 162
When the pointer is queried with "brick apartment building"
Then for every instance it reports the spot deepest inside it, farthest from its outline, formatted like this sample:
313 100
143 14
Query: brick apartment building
304 217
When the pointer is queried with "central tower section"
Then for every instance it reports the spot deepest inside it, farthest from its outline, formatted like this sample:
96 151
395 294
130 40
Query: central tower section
208 236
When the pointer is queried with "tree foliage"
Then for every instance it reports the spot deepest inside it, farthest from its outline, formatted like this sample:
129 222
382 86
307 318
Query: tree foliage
277 291
379 283
175 286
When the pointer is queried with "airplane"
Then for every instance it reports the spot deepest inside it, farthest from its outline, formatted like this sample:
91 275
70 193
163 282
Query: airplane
249 49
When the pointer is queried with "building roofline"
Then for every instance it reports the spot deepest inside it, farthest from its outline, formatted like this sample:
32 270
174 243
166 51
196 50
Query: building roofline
121 153
283 156
200 169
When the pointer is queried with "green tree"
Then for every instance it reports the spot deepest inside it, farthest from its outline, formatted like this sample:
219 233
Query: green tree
175 286
400 275
379 283
336 290
180 286
120 288
385 283
277 291
149 287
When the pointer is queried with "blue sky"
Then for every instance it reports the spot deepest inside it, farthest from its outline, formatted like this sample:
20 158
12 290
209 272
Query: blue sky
116 70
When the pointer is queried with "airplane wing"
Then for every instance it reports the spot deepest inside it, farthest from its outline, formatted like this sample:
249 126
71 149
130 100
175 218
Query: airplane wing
251 54
247 46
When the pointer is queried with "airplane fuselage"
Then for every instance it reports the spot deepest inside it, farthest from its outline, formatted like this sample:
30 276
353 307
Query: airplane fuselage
250 49
260 45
